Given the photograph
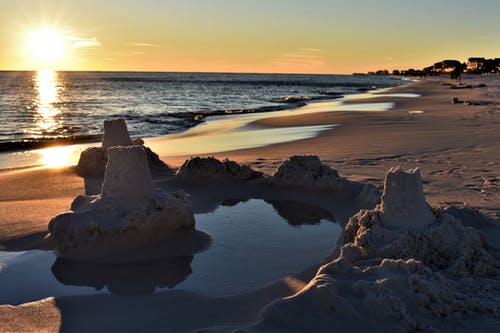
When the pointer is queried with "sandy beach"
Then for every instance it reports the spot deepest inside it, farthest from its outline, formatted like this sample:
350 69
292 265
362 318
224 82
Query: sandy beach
455 146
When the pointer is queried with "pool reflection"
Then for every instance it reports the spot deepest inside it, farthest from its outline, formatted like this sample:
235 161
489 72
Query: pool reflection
138 271
297 214
134 279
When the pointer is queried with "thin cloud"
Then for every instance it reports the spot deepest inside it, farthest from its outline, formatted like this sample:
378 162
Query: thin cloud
144 44
310 50
80 42
304 59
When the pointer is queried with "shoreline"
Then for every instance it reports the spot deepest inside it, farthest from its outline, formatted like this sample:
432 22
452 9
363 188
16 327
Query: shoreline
174 115
216 122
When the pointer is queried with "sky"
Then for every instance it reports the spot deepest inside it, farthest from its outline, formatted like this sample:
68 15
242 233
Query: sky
263 36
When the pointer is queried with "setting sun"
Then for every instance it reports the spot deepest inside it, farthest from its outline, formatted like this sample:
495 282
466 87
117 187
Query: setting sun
46 46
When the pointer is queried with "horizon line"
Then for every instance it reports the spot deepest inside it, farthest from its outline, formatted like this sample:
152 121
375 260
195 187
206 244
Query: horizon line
166 71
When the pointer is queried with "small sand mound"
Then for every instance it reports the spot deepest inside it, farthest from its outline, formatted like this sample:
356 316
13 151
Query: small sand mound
211 169
401 264
129 212
93 160
308 172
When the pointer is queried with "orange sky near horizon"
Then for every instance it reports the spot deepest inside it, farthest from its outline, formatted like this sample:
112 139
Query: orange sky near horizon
273 36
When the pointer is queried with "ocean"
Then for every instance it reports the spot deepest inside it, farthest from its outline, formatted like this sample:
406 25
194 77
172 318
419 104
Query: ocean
42 108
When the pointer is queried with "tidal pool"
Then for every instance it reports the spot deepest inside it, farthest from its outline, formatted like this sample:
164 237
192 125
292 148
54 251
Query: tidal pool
253 243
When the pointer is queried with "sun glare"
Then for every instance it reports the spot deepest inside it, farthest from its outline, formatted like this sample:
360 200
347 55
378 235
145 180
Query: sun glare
56 157
46 46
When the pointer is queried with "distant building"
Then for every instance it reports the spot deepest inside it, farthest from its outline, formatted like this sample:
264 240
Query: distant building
412 72
476 65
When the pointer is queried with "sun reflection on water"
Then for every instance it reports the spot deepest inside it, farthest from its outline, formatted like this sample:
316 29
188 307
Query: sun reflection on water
47 87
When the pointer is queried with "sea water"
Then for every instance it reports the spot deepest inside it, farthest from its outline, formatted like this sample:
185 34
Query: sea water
42 108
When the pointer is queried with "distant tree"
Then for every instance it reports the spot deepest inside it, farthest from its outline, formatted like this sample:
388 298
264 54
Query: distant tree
490 66
382 72
429 71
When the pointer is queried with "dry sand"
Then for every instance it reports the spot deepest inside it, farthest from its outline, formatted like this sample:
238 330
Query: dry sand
455 146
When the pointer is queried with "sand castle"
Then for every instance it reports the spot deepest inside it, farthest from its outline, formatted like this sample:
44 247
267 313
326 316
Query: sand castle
115 133
403 201
92 162
129 212
403 263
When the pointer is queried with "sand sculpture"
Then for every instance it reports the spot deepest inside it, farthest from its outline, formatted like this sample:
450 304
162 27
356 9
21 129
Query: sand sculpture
129 212
402 263
92 162
404 202
115 133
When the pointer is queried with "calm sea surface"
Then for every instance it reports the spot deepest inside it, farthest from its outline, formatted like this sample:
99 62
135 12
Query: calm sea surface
40 108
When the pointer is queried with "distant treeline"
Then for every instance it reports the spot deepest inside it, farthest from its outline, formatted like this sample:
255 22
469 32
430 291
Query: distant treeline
473 65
